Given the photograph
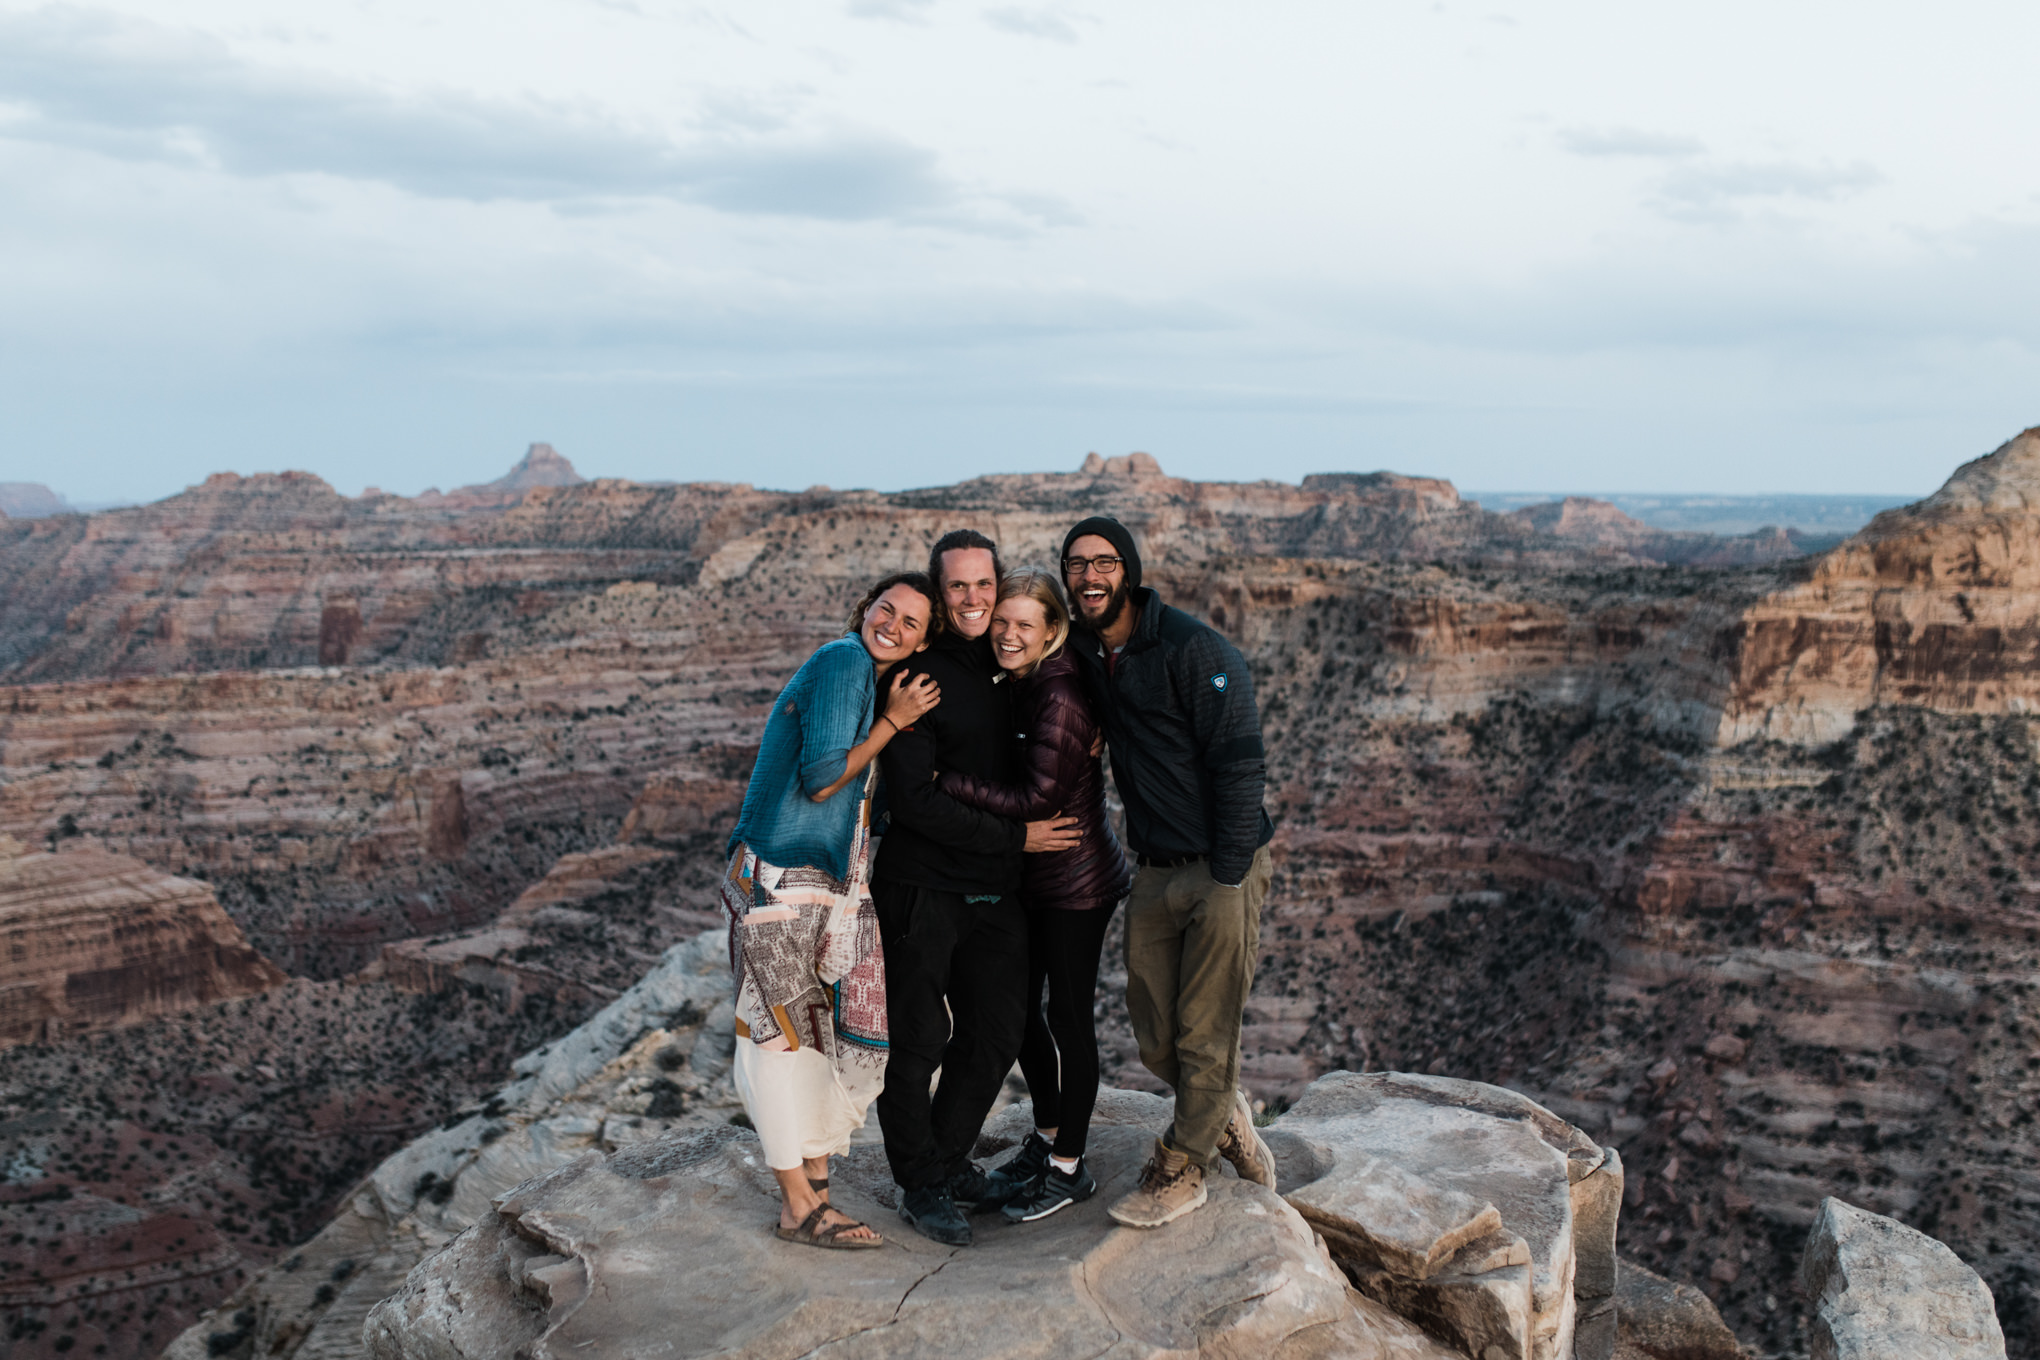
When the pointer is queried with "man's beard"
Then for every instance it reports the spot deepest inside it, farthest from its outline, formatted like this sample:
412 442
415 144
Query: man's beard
1115 605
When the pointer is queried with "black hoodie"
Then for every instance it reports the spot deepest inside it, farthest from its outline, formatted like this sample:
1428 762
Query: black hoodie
1178 709
931 840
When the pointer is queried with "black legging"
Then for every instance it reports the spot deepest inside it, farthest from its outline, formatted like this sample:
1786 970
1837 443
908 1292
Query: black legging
1059 1054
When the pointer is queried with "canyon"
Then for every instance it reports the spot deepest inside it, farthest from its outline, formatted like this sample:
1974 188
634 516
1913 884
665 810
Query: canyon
1728 854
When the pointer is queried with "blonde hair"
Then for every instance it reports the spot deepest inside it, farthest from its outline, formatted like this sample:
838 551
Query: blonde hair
1039 584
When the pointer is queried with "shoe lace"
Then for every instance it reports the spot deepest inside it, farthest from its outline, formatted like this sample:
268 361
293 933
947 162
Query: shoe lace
1154 1176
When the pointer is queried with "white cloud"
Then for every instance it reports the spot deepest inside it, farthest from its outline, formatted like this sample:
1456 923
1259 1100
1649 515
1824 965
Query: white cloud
1033 23
140 92
900 11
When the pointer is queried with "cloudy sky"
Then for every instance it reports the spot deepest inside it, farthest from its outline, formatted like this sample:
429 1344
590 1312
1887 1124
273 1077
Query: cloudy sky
1580 245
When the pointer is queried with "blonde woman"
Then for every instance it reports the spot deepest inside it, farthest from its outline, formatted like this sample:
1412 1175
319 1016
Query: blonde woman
804 945
1069 894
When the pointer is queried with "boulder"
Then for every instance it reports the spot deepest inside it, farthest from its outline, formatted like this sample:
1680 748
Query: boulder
1879 1288
1661 1320
665 1247
1469 1208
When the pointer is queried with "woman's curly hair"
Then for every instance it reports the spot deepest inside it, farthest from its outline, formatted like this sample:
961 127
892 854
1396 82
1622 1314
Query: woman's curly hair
916 581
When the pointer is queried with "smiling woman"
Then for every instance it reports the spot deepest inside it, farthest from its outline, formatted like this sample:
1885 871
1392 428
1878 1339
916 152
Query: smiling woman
803 935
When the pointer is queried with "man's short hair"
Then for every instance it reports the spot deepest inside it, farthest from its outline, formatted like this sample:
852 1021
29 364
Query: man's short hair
961 538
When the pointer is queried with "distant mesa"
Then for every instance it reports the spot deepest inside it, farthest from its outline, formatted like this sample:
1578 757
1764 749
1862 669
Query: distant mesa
30 500
541 465
1583 518
1434 490
1812 516
1130 465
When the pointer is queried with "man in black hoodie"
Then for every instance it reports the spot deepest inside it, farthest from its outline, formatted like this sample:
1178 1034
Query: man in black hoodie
1177 703
945 886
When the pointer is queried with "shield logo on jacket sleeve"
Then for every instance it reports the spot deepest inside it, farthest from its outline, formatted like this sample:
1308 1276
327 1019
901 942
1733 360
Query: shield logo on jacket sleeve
1218 682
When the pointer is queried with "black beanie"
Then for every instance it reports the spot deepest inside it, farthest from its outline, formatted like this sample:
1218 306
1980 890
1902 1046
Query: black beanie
1113 532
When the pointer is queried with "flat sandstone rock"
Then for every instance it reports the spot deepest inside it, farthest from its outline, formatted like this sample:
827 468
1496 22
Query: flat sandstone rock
665 1248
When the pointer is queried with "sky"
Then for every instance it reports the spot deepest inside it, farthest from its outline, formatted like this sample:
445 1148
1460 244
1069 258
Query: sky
1582 245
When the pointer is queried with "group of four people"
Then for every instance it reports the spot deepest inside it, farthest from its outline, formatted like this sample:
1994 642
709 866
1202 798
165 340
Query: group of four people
958 724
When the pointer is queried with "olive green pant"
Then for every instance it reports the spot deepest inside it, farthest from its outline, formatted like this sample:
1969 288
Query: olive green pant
1191 944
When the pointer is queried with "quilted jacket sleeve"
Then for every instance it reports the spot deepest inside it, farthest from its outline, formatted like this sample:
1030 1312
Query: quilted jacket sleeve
1058 745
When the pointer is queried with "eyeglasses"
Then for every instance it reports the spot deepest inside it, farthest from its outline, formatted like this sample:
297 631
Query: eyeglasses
1104 566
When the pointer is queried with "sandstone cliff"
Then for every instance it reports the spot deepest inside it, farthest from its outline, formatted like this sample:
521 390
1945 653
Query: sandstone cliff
90 941
1932 604
279 570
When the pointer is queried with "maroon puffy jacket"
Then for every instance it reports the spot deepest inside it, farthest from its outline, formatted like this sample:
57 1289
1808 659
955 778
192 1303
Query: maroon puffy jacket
1060 776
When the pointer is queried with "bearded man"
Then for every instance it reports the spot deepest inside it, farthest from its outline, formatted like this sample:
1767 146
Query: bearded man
1176 701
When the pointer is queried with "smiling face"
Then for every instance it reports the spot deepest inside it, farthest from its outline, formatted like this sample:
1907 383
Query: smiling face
970 587
1098 599
1021 632
895 626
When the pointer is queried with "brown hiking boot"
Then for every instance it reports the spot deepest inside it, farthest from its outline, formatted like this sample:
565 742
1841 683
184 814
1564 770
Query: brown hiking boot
1242 1145
1171 1185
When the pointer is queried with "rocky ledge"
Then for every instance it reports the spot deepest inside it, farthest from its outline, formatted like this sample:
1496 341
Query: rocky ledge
605 1203
1417 1217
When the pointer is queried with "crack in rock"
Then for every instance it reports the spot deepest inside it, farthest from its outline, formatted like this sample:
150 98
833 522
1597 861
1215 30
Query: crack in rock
918 1283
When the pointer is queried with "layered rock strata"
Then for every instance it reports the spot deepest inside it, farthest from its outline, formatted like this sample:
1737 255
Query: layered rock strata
1935 605
334 811
598 918
280 570
91 941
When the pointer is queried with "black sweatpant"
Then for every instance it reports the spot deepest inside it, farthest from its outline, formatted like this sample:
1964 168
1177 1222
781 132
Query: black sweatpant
1059 1053
973 957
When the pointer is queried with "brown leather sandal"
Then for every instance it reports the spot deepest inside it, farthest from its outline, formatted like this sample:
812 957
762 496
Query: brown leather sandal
811 1233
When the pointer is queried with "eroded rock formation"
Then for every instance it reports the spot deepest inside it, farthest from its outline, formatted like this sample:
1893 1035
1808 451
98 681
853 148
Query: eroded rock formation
1935 604
92 941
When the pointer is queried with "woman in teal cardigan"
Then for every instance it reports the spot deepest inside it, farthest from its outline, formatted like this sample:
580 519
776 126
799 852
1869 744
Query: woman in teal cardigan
804 950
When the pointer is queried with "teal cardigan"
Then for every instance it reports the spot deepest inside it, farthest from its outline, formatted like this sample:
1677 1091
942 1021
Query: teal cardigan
824 711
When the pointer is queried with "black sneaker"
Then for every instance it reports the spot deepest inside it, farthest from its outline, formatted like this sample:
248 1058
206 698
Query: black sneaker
934 1214
972 1190
1021 1173
1057 1189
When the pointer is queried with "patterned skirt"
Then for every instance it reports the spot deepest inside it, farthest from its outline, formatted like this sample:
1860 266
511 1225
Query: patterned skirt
810 975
